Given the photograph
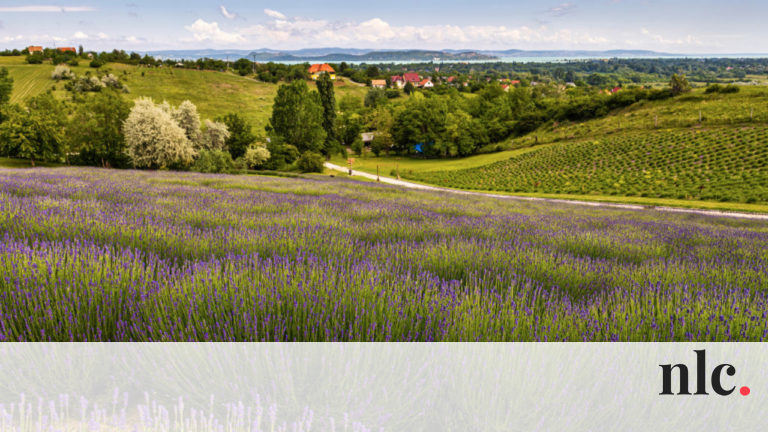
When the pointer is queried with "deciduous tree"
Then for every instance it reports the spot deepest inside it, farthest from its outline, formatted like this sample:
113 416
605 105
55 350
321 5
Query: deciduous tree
154 139
297 117
95 131
240 134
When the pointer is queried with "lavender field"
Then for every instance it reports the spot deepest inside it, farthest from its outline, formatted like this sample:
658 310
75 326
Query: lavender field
106 255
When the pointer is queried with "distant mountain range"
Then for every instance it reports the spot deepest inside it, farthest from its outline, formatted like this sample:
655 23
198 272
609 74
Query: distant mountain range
368 55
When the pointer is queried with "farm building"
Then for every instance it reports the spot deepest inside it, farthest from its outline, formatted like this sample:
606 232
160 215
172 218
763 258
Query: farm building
379 84
35 49
317 69
66 49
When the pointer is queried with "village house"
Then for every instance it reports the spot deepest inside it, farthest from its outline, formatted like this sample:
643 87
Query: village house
412 77
35 49
317 69
367 138
505 87
66 49
378 83
397 81
426 83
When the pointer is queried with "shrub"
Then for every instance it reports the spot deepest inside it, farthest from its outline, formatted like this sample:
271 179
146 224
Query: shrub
96 63
35 59
310 162
85 84
256 156
113 82
62 73
717 88
213 161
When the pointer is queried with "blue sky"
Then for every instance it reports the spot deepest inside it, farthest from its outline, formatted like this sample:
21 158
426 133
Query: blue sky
683 26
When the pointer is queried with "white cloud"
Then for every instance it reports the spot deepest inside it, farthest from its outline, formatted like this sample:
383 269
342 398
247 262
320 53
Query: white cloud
79 35
562 9
376 32
686 40
210 31
274 14
227 14
47 9
16 38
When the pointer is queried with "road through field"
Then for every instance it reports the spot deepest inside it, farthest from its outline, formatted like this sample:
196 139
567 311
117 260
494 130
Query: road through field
388 180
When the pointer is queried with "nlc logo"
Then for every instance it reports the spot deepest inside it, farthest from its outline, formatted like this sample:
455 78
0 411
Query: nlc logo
716 378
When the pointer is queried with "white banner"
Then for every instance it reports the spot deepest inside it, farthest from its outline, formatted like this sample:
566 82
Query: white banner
382 387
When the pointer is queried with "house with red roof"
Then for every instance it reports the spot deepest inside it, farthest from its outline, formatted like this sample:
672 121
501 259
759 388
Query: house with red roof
615 90
317 69
426 83
35 49
66 49
379 84
412 77
397 81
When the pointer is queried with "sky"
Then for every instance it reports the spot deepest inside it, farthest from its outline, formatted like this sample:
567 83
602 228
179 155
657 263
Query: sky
672 26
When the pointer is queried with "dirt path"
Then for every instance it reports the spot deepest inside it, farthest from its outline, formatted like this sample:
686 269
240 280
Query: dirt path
388 180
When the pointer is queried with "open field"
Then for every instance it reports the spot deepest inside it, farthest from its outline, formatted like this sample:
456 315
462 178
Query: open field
92 254
406 165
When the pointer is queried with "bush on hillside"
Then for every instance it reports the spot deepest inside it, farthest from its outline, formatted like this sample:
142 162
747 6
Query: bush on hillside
717 88
310 162
213 162
62 73
256 156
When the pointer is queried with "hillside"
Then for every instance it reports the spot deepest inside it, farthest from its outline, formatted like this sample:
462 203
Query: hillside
214 93
725 164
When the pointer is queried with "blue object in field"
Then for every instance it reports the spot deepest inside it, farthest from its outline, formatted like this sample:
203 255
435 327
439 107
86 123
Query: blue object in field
417 148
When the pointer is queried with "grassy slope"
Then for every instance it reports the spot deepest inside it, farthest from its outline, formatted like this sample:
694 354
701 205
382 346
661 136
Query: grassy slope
749 106
214 93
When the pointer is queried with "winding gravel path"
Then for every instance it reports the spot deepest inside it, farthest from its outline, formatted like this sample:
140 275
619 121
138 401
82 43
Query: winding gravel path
406 184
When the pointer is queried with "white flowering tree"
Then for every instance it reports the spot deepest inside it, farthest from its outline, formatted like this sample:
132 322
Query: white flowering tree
188 119
215 136
154 139
62 72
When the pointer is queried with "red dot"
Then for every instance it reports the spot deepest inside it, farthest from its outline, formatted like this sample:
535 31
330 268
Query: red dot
744 391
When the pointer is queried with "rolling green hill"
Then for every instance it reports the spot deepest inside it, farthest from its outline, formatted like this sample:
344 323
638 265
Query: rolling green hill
695 109
214 93
724 164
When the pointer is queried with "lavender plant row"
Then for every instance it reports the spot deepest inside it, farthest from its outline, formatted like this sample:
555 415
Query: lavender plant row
103 255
